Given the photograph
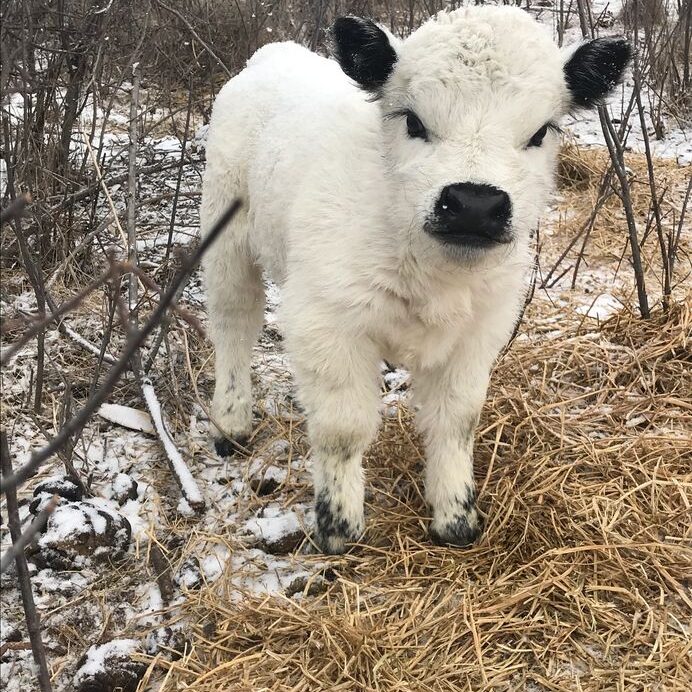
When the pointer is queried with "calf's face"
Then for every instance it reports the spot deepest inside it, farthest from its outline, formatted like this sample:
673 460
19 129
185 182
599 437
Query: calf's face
470 104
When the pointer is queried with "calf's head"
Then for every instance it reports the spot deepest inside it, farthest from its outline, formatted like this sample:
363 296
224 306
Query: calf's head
470 104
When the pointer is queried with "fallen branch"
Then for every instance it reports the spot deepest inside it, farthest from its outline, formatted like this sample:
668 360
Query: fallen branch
87 345
181 473
77 422
33 622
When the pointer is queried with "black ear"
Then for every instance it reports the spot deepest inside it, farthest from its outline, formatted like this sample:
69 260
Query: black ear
595 68
363 50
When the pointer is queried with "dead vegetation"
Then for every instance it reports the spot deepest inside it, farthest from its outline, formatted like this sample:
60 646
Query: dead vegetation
584 453
581 580
583 464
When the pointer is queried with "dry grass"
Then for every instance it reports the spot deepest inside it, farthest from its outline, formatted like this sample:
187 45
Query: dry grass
582 578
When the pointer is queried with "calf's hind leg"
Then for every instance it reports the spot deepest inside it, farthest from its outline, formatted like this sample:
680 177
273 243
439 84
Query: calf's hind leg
236 313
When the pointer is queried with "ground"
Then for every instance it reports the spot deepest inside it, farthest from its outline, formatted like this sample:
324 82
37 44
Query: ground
580 581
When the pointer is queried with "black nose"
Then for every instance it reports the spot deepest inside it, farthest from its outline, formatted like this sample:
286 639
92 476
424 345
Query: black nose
472 213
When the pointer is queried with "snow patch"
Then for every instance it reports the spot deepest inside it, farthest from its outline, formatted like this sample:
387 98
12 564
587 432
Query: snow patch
603 307
96 656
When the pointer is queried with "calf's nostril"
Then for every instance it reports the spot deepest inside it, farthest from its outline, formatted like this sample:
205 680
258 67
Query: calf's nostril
449 203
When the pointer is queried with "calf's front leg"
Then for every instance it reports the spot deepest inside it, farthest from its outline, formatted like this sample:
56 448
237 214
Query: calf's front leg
451 398
338 386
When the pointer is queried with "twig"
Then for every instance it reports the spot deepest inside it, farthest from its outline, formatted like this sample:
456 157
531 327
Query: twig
104 187
196 36
184 314
134 341
616 150
179 469
115 269
181 473
618 158
36 280
87 345
151 357
84 242
650 170
33 622
603 195
88 191
132 194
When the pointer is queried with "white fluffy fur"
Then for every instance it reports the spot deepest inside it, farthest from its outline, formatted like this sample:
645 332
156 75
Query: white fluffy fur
335 196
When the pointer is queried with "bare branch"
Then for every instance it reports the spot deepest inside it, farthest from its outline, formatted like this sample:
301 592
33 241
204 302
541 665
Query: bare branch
197 37
27 536
33 622
77 422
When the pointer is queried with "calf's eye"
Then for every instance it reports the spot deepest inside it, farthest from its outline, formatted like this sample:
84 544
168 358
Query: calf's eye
537 139
415 127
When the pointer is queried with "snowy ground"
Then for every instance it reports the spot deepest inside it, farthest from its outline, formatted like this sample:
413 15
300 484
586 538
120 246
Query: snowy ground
96 612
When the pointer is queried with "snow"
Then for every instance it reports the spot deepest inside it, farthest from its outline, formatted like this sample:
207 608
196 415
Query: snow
67 521
122 483
97 656
601 308
260 469
227 539
149 604
585 129
184 508
274 525
178 237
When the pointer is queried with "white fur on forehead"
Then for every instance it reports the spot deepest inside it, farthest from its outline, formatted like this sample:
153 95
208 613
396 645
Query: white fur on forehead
500 48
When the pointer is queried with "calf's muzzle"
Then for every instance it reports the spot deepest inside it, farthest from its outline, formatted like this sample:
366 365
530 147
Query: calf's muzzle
473 215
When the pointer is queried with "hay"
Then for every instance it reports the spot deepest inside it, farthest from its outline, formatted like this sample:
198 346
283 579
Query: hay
581 580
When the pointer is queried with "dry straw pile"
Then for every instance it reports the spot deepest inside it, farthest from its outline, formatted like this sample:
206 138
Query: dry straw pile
582 578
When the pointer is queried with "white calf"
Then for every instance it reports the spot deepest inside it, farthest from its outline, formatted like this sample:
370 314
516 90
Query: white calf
392 194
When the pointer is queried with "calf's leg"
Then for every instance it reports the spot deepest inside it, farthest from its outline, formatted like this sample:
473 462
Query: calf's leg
451 398
338 386
236 313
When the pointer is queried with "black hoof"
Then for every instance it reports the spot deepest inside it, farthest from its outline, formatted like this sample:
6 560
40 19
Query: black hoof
228 448
334 533
332 544
457 533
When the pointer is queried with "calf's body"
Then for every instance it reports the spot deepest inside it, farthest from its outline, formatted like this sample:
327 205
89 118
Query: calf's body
364 211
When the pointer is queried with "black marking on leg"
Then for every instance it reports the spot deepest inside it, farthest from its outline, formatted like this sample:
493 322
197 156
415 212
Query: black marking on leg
230 385
457 532
228 448
332 528
469 502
